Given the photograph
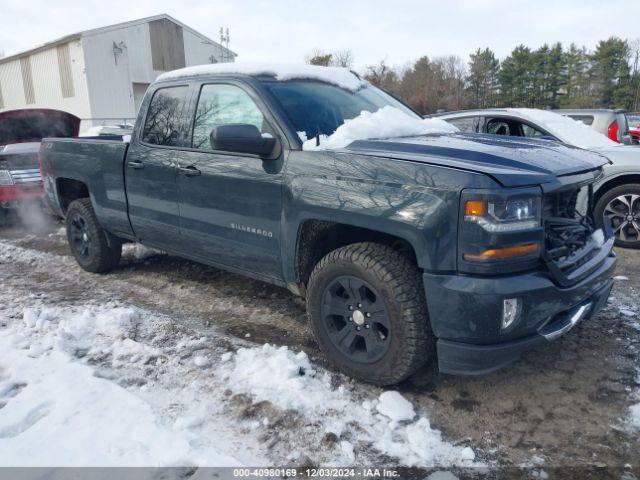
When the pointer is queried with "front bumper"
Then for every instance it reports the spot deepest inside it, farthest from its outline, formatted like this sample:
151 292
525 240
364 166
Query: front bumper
465 314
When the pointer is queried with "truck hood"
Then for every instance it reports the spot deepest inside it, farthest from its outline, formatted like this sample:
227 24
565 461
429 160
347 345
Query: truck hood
34 124
511 161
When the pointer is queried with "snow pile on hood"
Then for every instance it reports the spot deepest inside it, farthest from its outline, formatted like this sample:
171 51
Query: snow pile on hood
55 411
288 380
342 77
387 122
568 130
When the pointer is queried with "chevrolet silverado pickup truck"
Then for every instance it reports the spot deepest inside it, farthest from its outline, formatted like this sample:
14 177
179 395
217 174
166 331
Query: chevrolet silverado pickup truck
410 243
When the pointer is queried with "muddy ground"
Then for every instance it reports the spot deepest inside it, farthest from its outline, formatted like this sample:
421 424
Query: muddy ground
564 404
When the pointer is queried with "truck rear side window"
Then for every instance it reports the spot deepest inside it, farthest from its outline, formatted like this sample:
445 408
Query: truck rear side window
164 116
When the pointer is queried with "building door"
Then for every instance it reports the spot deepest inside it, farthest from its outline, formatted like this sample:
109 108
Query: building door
139 89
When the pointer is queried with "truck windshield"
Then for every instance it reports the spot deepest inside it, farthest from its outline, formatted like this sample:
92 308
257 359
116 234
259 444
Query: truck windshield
320 108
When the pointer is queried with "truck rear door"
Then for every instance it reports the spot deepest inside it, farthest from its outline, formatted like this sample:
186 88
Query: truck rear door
230 203
151 169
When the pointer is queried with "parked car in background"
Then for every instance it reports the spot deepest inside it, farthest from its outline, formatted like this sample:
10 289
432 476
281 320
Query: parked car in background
20 134
616 193
410 242
633 119
612 123
108 130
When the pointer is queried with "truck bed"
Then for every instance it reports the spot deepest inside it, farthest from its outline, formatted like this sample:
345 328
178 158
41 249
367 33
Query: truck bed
98 164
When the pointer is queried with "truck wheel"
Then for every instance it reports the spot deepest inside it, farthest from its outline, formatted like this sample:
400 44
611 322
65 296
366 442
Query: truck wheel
90 244
367 309
623 205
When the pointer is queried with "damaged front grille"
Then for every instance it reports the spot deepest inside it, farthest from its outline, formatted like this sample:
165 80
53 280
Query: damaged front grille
573 246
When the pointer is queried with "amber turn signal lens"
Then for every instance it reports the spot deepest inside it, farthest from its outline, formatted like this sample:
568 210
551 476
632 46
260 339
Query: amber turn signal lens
503 253
474 208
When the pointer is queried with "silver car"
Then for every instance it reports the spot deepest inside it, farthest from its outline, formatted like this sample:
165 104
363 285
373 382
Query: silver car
612 123
616 194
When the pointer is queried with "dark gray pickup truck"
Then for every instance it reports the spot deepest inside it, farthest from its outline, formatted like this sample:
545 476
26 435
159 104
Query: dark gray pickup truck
408 247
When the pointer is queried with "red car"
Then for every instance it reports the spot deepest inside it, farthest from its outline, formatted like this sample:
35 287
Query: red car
20 134
634 126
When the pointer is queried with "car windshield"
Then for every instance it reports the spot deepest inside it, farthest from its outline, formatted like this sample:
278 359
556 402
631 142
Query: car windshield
320 108
634 120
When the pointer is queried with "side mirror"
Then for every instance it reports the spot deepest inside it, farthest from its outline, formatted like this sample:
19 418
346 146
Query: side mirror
241 138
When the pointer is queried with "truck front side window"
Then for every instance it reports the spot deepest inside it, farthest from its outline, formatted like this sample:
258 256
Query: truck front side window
223 105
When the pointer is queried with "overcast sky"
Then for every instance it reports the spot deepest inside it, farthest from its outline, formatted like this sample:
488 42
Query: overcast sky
286 31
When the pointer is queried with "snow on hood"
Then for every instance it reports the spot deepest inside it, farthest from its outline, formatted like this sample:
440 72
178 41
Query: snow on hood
572 132
342 77
387 122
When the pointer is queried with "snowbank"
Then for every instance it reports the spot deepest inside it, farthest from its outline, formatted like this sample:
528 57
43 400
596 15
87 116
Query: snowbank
56 412
287 379
395 406
341 77
388 122
634 418
569 131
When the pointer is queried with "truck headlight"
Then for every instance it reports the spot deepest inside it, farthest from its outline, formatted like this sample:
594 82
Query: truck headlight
5 178
500 230
508 215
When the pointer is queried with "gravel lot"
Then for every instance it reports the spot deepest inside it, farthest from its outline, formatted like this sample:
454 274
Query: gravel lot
564 405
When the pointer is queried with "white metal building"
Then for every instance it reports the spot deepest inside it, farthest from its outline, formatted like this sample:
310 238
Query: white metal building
101 75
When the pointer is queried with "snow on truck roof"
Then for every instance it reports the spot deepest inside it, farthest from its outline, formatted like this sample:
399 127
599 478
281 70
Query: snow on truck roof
342 77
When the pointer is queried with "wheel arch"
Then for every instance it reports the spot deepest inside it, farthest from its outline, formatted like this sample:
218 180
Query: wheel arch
317 237
68 190
617 181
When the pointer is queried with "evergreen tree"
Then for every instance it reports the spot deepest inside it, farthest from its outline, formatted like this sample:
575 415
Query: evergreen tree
555 77
515 79
576 90
611 73
483 78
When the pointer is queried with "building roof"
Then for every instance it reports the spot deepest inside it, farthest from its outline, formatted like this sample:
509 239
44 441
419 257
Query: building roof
117 26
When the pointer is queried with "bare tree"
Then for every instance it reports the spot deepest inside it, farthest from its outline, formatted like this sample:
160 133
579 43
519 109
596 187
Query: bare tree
340 58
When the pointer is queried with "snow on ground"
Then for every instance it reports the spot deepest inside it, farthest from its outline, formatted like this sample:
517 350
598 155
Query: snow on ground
625 304
139 251
57 411
387 122
160 394
341 77
288 380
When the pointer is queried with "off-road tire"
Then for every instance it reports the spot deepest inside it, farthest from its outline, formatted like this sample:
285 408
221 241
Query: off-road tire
104 254
603 201
399 283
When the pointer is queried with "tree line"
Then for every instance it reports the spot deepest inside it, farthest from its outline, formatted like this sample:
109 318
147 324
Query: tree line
552 76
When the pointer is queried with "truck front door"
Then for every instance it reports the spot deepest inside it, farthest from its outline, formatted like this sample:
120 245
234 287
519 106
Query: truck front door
151 169
230 203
